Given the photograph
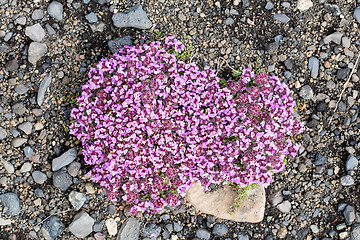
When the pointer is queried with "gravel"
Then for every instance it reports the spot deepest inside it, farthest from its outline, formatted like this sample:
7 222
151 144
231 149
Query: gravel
39 177
36 52
351 163
306 92
77 199
313 66
151 231
346 181
281 17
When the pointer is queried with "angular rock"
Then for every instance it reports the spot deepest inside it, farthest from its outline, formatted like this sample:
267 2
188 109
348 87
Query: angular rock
129 230
151 230
10 203
26 127
218 203
306 92
64 160
39 177
351 163
82 225
45 83
73 168
3 133
17 142
37 14
269 6
36 52
346 181
135 17
281 17
21 20
320 159
62 180
116 44
355 233
8 166
334 37
50 30
19 108
77 199
91 17
276 198
304 5
5 222
21 89
52 228
12 65
313 66
35 32
26 167
111 226
242 236
342 73
55 10
28 151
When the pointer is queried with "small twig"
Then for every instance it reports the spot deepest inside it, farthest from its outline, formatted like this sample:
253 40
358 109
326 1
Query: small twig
344 88
217 69
192 57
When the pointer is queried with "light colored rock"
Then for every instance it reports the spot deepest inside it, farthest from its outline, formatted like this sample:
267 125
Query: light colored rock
64 160
8 166
135 17
35 32
3 133
39 177
304 5
73 168
129 230
4 222
36 52
284 207
334 37
111 226
77 199
26 127
17 142
55 10
26 167
218 203
82 225
45 83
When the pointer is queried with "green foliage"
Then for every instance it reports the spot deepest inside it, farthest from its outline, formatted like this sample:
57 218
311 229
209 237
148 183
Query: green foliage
69 99
300 104
242 195
257 66
222 83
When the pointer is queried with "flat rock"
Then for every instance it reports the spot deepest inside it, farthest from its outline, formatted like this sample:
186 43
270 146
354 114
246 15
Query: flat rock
281 17
37 14
36 52
62 180
135 17
35 32
73 168
306 92
276 198
129 230
28 151
12 65
26 167
52 228
5 222
151 230
8 166
3 133
65 159
304 5
26 127
202 233
116 44
21 20
55 10
218 203
17 142
10 203
349 214
355 233
82 225
357 14
39 177
313 66
351 163
284 207
334 37
45 83
77 199
346 181
111 226
91 17
21 89
19 108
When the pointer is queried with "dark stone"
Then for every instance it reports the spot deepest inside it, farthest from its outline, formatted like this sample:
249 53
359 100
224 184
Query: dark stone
342 73
302 233
321 107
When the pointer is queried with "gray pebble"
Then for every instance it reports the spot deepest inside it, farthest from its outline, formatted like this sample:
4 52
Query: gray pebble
73 168
45 83
334 37
229 21
288 64
234 12
276 198
19 108
52 227
35 32
116 44
17 142
111 209
355 233
202 233
320 159
284 207
55 10
8 166
151 230
3 133
26 127
242 236
342 106
313 66
306 92
21 20
351 163
26 167
281 17
21 89
342 73
39 177
98 227
37 14
36 52
10 203
50 30
220 229
129 230
62 180
82 225
345 42
135 17
349 214
8 36
65 159
177 227
269 6
91 17
77 199
245 3
346 181
357 17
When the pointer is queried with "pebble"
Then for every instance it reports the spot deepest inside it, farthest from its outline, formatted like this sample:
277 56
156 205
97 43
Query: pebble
229 21
342 106
21 89
8 166
91 17
269 6
284 207
202 233
77 199
37 14
10 203
73 168
52 228
19 108
351 163
304 5
64 160
35 32
355 233
320 159
21 20
349 214
26 127
26 167
82 225
151 230
177 227
135 17
5 222
357 14
281 17
306 92
129 230
276 198
39 177
111 226
36 52
334 37
3 133
313 66
342 73
17 142
346 181
282 232
242 236
345 42
220 229
55 10
116 44
45 83
50 30
62 180
12 65
315 229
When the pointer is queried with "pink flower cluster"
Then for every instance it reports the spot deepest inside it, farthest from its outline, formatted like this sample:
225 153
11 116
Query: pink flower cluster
152 126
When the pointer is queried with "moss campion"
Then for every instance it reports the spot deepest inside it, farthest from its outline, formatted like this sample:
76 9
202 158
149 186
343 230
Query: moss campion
153 125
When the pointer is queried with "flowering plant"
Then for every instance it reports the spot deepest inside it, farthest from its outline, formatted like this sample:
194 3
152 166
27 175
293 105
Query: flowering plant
153 125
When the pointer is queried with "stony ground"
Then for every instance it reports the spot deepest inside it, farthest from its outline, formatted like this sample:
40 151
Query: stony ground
46 50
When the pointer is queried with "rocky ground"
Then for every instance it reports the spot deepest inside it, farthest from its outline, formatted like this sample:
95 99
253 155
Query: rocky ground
46 49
